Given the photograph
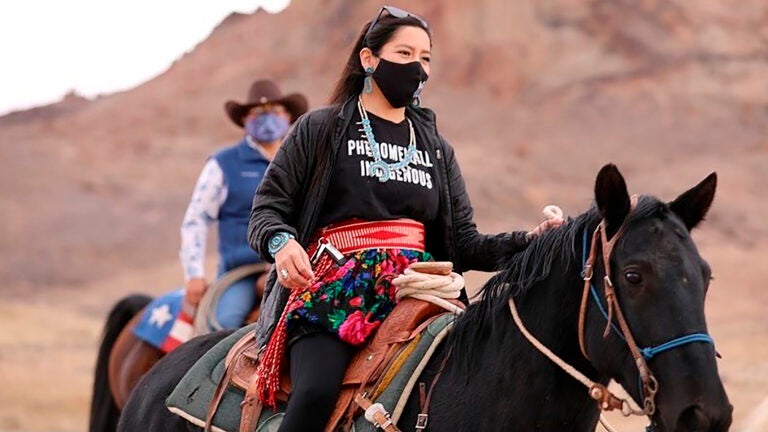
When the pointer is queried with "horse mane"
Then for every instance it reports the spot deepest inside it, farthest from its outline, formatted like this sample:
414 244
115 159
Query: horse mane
523 270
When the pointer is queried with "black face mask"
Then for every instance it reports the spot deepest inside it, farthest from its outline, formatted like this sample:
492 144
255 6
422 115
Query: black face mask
400 82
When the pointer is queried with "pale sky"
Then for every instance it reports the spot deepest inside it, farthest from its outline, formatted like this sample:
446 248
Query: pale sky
49 47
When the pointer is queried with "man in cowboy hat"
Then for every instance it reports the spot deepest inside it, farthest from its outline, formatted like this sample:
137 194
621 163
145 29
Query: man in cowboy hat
224 193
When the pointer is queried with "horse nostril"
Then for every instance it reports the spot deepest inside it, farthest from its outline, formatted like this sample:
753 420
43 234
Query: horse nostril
692 419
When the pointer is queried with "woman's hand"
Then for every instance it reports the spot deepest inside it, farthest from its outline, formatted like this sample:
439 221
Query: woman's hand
293 268
554 218
544 226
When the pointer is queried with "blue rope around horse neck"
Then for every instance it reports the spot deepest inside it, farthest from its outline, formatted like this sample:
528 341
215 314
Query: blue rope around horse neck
648 352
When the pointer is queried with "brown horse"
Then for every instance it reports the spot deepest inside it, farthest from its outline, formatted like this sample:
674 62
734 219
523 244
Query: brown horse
123 358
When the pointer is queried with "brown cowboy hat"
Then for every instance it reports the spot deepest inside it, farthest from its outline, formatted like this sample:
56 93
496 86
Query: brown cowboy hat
266 92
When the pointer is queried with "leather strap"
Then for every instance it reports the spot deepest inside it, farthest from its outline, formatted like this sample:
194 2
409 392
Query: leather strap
383 362
361 391
218 395
423 417
221 387
650 385
588 272
365 382
250 408
380 417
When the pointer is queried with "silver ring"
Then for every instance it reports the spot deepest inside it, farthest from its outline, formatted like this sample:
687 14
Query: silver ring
284 273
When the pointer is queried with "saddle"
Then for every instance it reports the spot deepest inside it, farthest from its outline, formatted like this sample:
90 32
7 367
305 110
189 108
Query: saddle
364 376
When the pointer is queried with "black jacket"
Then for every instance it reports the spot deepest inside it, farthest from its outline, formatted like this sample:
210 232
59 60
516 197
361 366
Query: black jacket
292 192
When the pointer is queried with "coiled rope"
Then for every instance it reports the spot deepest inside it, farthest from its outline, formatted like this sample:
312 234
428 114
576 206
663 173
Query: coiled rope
432 282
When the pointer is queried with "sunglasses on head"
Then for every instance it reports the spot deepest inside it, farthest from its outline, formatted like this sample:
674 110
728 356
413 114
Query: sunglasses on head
395 12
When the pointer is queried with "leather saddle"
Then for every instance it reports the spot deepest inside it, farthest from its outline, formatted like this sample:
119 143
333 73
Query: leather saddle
363 376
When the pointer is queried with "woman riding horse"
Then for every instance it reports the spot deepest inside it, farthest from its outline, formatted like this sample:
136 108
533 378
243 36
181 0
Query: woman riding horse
372 180
495 379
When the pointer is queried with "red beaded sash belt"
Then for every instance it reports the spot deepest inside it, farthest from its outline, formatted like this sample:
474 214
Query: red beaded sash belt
346 238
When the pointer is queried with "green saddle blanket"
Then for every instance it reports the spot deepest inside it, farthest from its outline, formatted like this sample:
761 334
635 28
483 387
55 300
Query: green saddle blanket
191 397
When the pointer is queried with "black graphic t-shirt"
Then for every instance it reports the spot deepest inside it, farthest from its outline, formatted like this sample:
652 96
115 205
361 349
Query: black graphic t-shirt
356 192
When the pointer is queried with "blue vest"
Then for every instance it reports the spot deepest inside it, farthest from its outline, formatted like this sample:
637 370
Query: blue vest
243 169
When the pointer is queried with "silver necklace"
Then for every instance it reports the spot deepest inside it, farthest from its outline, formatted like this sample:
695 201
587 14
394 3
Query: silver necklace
380 169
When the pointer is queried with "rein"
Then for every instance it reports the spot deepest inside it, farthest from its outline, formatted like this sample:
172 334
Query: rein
648 384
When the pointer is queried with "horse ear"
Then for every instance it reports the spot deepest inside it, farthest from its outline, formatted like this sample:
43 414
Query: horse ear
612 198
694 203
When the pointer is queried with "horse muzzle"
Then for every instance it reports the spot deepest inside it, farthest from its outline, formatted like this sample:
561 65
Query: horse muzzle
710 413
703 418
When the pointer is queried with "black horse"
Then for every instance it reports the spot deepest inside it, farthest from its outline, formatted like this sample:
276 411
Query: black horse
495 380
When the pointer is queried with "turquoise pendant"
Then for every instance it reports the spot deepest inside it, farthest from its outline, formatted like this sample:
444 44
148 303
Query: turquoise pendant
380 169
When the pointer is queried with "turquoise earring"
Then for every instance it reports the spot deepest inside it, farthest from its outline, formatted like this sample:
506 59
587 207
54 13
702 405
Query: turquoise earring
368 83
416 102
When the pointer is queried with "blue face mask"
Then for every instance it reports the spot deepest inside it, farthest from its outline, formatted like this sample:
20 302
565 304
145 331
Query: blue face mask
267 127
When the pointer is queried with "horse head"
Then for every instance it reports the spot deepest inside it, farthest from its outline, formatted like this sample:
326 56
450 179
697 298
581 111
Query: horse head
659 282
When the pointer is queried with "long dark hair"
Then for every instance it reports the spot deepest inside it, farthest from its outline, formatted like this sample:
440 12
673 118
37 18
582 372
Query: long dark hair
351 82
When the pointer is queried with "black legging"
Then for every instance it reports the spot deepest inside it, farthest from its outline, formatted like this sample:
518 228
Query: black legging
318 361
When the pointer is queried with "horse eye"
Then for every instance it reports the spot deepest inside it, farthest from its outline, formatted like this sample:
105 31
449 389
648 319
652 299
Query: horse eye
633 278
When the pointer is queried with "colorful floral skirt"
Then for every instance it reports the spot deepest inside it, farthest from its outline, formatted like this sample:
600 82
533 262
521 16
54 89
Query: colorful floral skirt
352 300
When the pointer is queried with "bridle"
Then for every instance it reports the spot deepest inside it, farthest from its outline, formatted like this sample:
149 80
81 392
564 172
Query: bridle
648 384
